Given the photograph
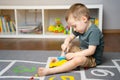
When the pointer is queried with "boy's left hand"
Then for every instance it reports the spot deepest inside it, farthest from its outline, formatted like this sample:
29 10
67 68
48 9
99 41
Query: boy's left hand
69 56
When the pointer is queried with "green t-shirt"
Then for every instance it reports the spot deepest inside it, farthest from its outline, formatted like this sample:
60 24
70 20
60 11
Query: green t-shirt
93 36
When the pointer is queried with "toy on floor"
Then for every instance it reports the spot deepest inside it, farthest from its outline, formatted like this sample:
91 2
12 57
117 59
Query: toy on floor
36 75
60 62
32 78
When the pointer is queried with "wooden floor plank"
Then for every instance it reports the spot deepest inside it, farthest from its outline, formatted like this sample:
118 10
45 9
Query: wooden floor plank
112 43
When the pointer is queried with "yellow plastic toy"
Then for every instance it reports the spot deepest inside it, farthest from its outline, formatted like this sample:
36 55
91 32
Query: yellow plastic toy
58 63
36 75
96 22
57 27
51 28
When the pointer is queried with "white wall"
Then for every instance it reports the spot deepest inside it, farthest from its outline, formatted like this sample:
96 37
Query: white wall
45 2
111 13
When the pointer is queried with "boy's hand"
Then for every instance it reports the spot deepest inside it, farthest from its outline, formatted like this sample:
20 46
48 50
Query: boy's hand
65 47
69 56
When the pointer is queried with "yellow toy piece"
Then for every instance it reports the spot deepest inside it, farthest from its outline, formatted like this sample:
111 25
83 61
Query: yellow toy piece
51 28
58 63
36 75
96 22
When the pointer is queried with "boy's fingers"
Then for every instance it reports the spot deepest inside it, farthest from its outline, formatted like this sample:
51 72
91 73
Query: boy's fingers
67 49
53 59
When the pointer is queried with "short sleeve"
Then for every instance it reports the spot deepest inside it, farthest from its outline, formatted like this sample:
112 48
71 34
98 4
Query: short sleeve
75 33
94 38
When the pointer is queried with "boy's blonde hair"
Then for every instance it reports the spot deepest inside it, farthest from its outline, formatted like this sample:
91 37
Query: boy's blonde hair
78 10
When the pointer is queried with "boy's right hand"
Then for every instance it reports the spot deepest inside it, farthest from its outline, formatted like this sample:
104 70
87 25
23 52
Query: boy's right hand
65 47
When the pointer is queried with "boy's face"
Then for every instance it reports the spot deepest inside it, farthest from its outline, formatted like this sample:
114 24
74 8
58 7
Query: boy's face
77 25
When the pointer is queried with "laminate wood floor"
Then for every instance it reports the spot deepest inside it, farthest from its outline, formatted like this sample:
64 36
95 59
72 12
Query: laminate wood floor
112 43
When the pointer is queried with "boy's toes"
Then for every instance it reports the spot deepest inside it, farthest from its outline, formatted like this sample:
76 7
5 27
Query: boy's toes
40 71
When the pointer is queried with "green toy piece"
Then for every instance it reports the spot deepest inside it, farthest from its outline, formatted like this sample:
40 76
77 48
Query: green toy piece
59 28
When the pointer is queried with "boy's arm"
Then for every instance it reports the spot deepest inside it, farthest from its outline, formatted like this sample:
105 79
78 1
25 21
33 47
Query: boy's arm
69 39
87 52
66 43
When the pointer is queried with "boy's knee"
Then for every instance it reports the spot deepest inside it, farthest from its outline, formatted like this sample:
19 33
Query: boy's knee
79 60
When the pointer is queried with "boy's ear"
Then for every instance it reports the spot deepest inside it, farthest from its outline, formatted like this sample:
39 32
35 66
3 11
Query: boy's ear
84 19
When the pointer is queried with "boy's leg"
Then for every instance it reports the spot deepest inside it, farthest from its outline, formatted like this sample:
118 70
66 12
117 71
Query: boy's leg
90 61
76 61
73 48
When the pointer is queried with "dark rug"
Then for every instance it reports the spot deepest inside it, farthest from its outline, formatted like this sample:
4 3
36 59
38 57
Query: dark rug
23 64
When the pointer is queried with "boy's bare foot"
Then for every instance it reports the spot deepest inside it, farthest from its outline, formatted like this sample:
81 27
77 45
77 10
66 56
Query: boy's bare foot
42 71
